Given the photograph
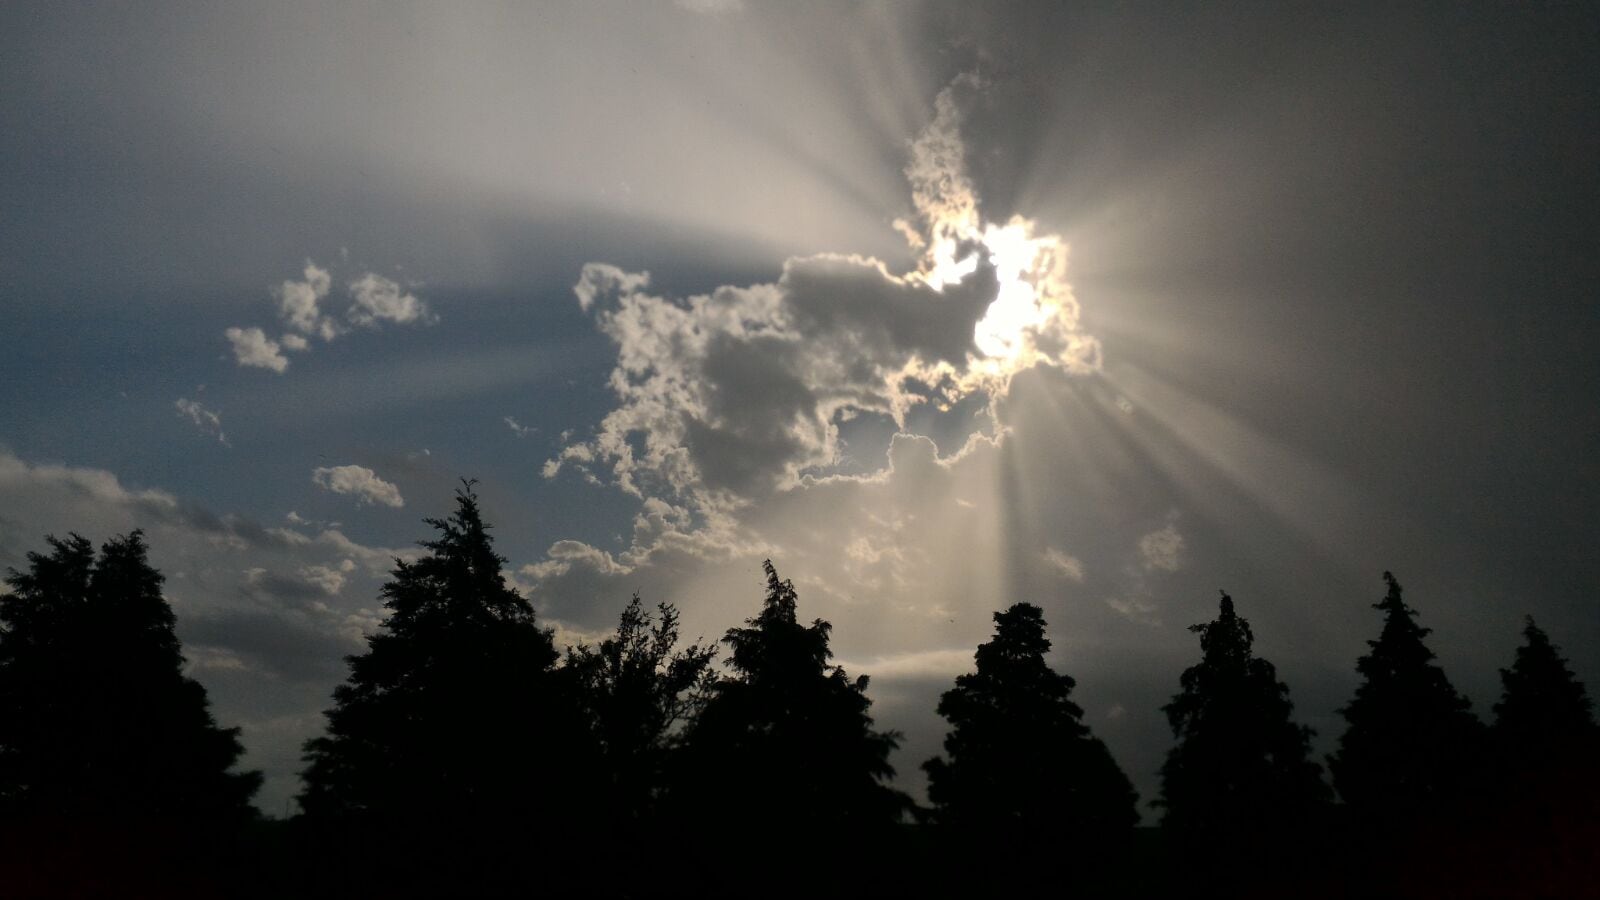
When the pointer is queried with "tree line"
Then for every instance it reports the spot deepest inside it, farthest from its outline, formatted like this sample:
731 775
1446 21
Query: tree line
465 754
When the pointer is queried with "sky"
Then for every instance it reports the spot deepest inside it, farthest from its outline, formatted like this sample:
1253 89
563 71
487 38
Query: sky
941 307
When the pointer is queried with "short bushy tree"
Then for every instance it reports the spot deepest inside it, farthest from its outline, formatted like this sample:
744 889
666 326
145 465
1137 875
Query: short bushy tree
637 692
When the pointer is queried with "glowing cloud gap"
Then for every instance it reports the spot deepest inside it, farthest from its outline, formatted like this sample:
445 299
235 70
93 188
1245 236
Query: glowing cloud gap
727 396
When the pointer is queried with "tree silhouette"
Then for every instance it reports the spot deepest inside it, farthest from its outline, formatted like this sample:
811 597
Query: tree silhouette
453 716
97 720
1412 743
1241 765
637 691
787 743
1544 708
1546 793
1021 761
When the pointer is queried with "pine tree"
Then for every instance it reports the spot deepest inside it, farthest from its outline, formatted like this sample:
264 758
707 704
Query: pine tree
1412 743
787 742
1241 765
1545 741
1021 760
97 719
1544 707
637 692
454 714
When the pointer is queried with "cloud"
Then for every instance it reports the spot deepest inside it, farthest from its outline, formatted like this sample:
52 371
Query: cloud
517 428
330 579
375 299
204 419
730 395
378 299
1162 550
1065 565
1136 609
298 304
359 482
252 347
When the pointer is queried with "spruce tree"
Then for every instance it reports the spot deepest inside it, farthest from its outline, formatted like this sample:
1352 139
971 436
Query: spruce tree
1544 708
1546 791
453 716
97 720
1021 760
1241 765
1412 745
637 692
786 743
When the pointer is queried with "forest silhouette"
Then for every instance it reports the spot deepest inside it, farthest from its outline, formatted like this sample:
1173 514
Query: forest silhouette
466 755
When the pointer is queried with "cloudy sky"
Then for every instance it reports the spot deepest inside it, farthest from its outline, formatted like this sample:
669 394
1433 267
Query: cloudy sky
941 307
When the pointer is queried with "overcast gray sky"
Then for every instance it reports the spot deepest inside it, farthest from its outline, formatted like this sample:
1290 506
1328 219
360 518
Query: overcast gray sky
948 306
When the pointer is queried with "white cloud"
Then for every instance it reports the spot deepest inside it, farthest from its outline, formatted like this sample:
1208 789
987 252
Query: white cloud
1162 550
330 579
359 482
204 419
727 396
517 428
1064 564
1135 609
252 347
378 299
298 304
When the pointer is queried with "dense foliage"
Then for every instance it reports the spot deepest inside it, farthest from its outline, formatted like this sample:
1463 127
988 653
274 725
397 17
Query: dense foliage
97 719
1020 758
464 756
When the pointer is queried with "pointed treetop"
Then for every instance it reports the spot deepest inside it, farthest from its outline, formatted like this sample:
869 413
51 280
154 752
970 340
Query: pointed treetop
1227 638
1542 700
781 600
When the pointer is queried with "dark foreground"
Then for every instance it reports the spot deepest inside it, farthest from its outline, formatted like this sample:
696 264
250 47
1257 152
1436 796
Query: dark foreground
291 859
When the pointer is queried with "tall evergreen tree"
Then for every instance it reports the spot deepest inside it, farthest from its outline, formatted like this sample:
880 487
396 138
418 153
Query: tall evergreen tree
454 714
1021 760
1546 787
787 742
1544 708
97 719
1412 744
637 692
1241 765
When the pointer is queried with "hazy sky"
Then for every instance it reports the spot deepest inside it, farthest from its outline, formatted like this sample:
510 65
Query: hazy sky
948 306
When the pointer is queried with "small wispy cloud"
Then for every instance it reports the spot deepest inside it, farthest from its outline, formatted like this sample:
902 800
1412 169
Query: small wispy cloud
1064 564
298 304
359 482
378 299
518 428
1162 550
208 421
301 305
253 349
